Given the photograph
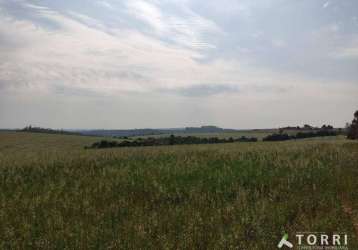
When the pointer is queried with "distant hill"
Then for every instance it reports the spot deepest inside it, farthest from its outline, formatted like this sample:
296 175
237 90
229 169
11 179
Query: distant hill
31 129
122 133
146 132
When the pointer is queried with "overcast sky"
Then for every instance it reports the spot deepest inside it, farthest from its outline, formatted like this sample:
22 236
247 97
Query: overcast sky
166 63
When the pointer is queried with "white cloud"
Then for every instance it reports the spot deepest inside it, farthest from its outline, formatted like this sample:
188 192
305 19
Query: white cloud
326 4
163 67
105 4
83 56
346 53
188 30
345 48
279 43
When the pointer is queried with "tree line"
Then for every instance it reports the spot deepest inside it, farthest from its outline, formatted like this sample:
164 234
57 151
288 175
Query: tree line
299 135
171 140
186 140
353 128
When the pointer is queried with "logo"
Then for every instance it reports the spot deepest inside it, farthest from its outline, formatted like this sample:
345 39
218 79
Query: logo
315 241
284 242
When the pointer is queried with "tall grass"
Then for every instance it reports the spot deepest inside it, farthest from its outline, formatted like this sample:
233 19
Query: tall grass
229 196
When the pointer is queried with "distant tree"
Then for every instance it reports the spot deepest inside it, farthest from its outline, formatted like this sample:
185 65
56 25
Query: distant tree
300 135
277 137
33 129
171 140
353 128
306 126
324 127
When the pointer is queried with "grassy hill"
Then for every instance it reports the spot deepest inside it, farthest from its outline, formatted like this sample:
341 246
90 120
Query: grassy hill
12 142
55 194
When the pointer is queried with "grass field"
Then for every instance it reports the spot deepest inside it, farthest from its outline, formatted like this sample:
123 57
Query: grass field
56 195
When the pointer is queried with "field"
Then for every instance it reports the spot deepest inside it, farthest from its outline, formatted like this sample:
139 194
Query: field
248 133
56 195
257 133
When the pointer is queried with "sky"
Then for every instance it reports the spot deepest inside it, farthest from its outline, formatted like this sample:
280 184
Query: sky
117 64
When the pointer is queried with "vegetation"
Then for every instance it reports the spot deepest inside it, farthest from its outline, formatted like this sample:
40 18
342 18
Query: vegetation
24 144
329 127
203 131
300 135
46 131
56 195
152 132
165 141
307 127
353 128
259 134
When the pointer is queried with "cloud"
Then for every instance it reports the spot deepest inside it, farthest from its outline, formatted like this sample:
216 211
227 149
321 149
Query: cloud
203 90
348 50
223 89
346 53
279 43
105 4
188 29
326 4
158 57
87 20
80 54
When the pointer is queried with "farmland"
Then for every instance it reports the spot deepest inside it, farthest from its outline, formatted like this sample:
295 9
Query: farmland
237 134
54 194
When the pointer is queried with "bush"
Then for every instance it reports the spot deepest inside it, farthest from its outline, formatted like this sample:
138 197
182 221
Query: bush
277 137
299 135
353 128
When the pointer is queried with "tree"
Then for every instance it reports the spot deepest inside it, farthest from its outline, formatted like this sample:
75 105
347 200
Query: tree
325 127
307 126
353 128
171 140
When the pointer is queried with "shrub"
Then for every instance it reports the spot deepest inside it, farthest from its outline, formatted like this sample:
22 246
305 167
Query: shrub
353 128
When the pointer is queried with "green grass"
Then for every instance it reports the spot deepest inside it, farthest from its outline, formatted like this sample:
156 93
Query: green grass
56 195
29 142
